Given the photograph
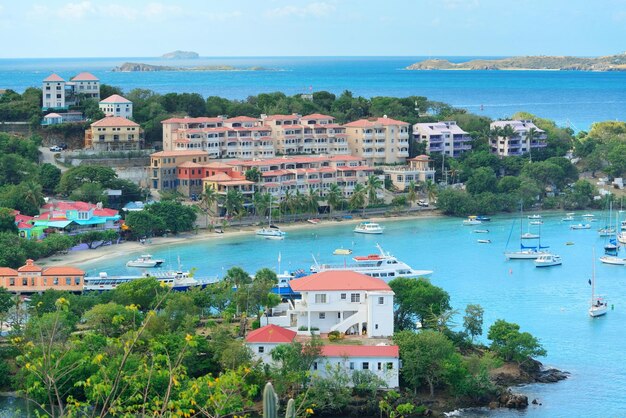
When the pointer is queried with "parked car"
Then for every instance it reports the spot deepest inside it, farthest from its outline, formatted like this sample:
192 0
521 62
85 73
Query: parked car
56 148
422 203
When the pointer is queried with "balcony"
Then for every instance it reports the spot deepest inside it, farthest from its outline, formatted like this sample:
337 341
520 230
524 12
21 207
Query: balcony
379 154
380 135
403 135
401 153
368 136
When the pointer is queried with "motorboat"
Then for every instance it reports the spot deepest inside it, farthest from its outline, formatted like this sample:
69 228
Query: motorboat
342 251
484 241
580 226
613 260
621 237
382 265
314 221
177 280
588 215
369 228
145 261
483 218
481 231
271 232
534 216
598 305
528 235
568 218
535 223
472 220
548 260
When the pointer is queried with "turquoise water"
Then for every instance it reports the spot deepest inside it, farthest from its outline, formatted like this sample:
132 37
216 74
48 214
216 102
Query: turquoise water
568 97
550 303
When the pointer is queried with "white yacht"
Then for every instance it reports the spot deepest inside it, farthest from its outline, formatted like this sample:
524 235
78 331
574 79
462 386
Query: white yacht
178 280
145 261
534 216
598 305
271 232
472 220
613 260
525 253
383 266
529 235
548 260
369 228
580 226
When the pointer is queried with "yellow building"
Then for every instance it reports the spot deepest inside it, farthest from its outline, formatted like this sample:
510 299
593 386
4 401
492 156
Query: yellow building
379 140
163 167
114 133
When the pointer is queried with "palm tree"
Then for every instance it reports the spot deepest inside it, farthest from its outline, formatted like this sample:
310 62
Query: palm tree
411 195
357 200
372 186
233 203
261 203
253 175
507 132
312 201
334 197
208 199
494 135
299 203
431 190
530 136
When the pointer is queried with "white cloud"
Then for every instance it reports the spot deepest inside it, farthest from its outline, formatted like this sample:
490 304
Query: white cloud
316 9
76 10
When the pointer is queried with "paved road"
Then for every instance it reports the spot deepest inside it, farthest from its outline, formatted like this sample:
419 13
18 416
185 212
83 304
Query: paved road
47 156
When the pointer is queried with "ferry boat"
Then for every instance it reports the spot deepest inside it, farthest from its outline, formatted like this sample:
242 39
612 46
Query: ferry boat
369 228
178 280
383 265
548 260
145 261
472 220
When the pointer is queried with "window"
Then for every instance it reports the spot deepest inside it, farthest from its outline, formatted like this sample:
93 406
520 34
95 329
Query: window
365 365
322 315
355 297
11 281
56 281
376 326
320 298
24 282
351 365
389 366
381 300
77 281
315 365
68 281
343 296
261 349
380 366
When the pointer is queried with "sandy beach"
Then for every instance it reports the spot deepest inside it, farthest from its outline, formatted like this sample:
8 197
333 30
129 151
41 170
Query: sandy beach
85 257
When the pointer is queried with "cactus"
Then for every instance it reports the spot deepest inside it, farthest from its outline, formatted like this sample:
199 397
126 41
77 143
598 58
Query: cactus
290 412
270 402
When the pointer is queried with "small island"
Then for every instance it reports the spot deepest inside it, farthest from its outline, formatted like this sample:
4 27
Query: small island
180 55
564 63
141 67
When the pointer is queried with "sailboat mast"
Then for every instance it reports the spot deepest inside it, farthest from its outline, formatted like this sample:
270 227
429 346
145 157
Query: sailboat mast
593 277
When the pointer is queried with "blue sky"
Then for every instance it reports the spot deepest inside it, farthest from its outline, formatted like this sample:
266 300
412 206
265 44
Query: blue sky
130 28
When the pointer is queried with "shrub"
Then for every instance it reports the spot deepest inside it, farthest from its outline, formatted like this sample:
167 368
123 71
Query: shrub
334 336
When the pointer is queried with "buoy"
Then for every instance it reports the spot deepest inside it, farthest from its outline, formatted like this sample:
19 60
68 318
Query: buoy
612 306
511 271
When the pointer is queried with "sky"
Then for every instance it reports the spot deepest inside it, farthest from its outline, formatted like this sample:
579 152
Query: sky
148 28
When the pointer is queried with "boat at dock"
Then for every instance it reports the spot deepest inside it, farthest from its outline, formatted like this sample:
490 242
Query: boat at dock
145 261
484 241
369 228
481 231
177 280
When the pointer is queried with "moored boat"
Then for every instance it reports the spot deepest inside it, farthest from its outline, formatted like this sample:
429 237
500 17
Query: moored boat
580 226
598 305
484 241
145 261
613 260
548 260
271 232
369 228
528 235
534 216
472 220
481 231
342 251
483 218
178 280
314 221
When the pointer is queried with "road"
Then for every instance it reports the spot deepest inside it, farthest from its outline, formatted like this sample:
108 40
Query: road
47 156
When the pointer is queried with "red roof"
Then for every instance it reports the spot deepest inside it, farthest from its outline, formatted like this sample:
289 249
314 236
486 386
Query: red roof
366 123
23 218
317 116
360 351
186 153
282 117
115 98
85 76
6 271
53 77
24 225
338 280
202 119
62 271
29 267
114 121
241 119
271 334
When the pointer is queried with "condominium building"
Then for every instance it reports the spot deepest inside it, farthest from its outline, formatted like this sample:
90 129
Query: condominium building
164 167
418 170
525 137
116 105
60 94
442 137
114 133
190 176
379 140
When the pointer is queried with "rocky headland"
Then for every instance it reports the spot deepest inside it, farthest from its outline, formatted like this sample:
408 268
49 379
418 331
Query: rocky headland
606 63
141 67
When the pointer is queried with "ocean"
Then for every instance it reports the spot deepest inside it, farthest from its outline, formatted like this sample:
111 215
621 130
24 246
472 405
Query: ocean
550 303
571 98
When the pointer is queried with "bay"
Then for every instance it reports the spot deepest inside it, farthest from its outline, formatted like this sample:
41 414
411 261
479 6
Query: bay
549 303
571 98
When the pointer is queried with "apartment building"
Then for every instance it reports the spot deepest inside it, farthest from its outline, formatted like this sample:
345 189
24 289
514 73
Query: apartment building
525 137
190 176
116 105
443 137
379 140
418 170
60 94
164 167
114 133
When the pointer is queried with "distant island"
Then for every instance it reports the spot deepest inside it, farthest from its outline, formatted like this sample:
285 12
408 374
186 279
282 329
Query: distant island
180 55
607 63
140 67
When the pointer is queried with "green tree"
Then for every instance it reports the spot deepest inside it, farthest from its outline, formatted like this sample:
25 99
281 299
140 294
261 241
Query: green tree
49 177
411 195
292 364
483 179
358 198
253 175
89 192
233 203
473 320
144 292
111 319
75 177
373 185
6 303
7 221
144 224
416 300
176 217
511 344
12 254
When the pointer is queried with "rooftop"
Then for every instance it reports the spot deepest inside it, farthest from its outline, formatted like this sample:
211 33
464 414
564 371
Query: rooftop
184 153
360 351
338 280
85 76
371 123
53 77
115 98
271 334
114 121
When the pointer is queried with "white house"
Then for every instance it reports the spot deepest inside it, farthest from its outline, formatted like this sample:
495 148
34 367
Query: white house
344 301
53 91
116 105
263 340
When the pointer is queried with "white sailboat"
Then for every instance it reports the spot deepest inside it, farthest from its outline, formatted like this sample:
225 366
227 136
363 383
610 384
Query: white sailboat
598 304
271 231
526 252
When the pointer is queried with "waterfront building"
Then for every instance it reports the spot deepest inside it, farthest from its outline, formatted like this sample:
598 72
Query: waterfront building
190 176
31 278
60 94
53 91
114 133
163 167
523 137
344 301
76 218
418 170
116 105
379 140
223 183
442 137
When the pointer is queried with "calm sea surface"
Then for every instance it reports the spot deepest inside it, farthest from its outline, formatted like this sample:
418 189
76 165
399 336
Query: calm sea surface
571 98
550 303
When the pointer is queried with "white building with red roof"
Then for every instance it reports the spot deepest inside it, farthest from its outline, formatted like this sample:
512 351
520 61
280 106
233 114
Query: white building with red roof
379 140
116 105
114 133
263 340
57 93
344 301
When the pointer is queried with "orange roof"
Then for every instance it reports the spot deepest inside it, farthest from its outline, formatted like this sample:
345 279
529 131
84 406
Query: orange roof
189 164
63 270
29 267
360 351
271 334
338 280
219 177
53 77
85 76
6 271
114 121
420 158
241 119
187 119
186 153
282 117
316 116
366 123
53 115
115 98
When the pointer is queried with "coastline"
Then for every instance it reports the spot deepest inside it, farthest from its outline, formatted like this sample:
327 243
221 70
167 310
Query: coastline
86 257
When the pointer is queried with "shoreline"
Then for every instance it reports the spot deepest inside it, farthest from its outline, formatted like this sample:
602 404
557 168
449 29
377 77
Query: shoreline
86 257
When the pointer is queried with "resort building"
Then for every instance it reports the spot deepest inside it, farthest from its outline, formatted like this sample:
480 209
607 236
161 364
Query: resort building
443 137
223 183
344 301
60 94
114 133
31 278
418 170
524 136
379 140
164 167
116 105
